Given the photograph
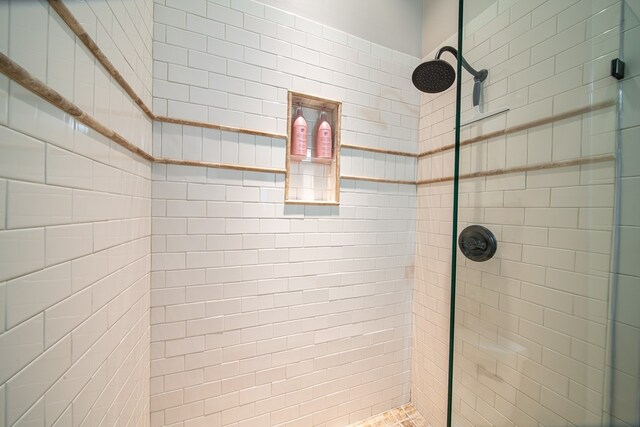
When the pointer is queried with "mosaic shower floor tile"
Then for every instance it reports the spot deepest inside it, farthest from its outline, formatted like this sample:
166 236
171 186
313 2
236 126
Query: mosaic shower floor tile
402 416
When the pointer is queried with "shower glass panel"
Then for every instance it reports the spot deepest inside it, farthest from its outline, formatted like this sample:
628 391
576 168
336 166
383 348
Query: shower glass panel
536 323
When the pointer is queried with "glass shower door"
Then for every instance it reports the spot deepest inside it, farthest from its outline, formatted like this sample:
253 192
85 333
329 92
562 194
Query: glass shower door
535 324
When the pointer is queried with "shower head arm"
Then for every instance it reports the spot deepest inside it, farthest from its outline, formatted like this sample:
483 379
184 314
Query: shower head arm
479 76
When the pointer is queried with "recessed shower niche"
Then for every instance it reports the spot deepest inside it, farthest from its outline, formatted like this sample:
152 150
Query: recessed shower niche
313 150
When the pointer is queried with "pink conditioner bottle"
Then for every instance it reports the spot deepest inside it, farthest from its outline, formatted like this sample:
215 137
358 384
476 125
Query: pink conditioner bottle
299 135
323 138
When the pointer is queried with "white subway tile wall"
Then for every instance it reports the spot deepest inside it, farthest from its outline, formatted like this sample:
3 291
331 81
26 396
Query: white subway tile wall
76 222
273 314
74 72
530 323
265 313
124 31
232 64
212 145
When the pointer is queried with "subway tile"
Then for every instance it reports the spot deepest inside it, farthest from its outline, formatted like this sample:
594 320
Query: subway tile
169 16
242 37
550 257
60 56
63 317
583 196
545 336
67 242
26 387
522 271
581 240
28 36
28 295
207 62
38 118
527 198
208 27
559 42
552 217
186 39
23 157
249 7
187 111
169 53
67 169
22 252
21 345
580 284
628 244
32 205
189 76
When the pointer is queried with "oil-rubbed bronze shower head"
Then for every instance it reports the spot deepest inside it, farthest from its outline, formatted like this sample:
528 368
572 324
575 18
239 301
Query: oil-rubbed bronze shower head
434 76
438 75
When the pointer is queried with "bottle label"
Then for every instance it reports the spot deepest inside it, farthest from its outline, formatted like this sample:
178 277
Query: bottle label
299 142
324 144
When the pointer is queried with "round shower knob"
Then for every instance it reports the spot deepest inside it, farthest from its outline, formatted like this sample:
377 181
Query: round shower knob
477 243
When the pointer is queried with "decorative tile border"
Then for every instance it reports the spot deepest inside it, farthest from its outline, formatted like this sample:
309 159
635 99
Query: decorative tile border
15 72
527 168
380 180
379 150
21 76
166 161
521 127
24 78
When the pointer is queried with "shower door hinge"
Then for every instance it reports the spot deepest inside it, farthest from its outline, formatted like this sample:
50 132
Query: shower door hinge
617 68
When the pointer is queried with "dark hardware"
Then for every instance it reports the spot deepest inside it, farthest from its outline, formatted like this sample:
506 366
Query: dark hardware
477 243
617 68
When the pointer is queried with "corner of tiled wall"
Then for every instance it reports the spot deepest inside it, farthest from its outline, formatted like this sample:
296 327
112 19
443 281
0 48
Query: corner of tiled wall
75 221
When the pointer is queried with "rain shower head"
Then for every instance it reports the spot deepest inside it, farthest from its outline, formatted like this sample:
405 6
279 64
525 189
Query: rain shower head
438 75
434 76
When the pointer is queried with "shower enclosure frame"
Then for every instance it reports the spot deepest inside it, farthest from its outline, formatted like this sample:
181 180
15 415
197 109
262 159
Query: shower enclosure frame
454 226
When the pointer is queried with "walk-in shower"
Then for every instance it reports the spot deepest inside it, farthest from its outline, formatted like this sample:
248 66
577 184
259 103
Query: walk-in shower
547 331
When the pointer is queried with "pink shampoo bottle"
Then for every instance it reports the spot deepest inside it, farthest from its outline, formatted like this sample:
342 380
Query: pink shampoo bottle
324 145
299 135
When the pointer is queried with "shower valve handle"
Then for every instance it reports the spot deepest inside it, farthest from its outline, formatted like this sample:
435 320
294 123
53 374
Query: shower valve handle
472 244
477 243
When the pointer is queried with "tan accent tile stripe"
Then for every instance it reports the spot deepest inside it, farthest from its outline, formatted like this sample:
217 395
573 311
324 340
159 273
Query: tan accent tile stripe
523 126
166 161
219 127
315 100
20 75
312 202
380 180
527 168
79 31
379 150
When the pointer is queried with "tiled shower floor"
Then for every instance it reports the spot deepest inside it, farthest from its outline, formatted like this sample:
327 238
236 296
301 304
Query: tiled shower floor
402 416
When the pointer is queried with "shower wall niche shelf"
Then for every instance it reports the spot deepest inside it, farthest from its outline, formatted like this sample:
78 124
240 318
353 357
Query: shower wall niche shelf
311 179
